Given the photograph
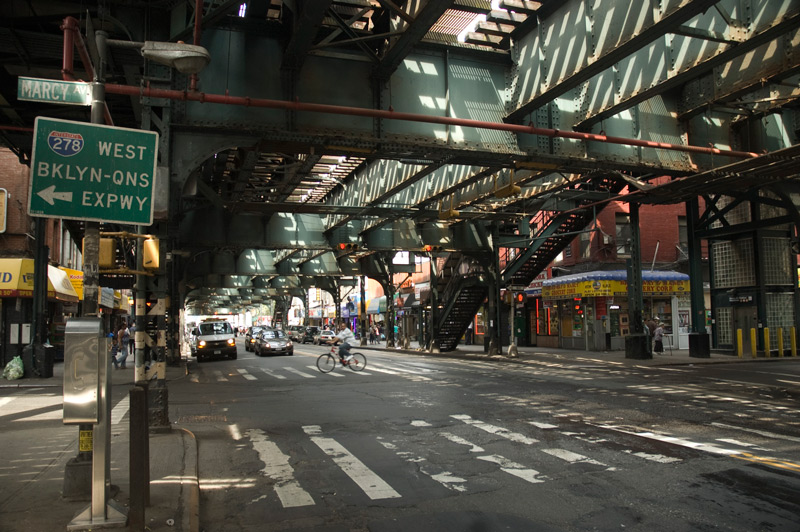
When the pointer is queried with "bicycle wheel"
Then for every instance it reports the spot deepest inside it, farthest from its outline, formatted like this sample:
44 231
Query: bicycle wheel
358 362
326 363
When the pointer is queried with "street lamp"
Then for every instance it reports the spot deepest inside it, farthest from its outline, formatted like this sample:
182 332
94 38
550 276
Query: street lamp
185 58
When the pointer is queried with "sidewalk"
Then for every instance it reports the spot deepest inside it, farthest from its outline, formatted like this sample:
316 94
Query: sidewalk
37 505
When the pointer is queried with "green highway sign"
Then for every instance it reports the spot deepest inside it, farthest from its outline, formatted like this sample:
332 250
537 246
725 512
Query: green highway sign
54 91
95 172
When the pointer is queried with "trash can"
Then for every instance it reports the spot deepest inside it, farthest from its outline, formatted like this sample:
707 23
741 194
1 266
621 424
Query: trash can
44 357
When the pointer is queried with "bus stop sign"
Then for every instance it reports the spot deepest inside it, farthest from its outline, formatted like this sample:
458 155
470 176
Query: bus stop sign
86 171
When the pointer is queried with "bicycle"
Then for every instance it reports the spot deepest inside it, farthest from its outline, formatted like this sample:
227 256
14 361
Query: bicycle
327 361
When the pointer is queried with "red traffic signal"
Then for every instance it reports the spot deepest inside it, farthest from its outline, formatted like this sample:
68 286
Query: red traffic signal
520 297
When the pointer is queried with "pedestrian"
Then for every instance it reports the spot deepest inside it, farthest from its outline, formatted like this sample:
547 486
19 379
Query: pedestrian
123 339
650 323
371 335
658 339
469 333
114 350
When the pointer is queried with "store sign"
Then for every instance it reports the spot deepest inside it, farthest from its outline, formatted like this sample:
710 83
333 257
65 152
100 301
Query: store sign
608 288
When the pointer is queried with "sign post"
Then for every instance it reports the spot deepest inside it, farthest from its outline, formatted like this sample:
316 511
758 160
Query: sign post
84 171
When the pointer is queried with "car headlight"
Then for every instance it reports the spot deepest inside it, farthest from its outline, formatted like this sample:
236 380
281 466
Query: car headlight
201 343
288 344
231 341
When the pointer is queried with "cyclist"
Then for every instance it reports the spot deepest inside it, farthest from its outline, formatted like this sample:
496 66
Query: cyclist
347 338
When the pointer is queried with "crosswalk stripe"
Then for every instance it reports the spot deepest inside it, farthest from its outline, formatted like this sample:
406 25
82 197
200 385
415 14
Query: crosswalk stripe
370 483
272 373
246 374
276 466
298 372
573 458
220 377
513 468
373 367
119 411
332 373
494 429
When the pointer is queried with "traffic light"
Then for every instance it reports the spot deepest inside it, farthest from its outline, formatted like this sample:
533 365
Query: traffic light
348 247
428 248
520 297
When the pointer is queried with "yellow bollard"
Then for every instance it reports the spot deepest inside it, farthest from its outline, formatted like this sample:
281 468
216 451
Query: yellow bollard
780 341
739 344
753 345
766 342
793 341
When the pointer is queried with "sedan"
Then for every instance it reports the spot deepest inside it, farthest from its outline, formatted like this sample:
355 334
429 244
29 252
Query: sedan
250 337
324 337
273 342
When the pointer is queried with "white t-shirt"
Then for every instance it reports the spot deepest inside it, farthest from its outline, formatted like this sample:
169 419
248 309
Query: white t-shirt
346 336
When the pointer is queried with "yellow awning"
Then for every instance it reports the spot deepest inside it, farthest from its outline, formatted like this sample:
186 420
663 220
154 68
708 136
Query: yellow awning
16 280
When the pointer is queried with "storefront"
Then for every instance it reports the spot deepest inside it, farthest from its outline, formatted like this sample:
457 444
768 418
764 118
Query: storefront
590 310
16 303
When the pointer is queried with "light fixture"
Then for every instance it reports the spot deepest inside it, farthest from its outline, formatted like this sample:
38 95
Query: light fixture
185 58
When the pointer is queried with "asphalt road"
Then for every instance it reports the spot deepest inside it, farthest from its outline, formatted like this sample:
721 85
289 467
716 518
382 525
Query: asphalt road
417 443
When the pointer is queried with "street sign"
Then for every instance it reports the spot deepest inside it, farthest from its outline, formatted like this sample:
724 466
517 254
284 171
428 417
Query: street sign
54 91
95 172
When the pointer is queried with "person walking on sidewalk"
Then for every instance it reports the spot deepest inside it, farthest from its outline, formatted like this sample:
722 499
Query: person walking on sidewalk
123 339
658 339
114 350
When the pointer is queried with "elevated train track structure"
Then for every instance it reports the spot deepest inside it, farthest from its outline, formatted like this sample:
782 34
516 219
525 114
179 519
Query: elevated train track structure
388 126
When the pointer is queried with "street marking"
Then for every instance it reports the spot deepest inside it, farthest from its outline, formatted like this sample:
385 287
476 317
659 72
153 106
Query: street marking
513 468
272 373
276 466
331 373
573 458
660 458
461 441
445 478
246 375
370 483
796 383
759 432
374 367
298 372
220 377
493 429
543 425
119 411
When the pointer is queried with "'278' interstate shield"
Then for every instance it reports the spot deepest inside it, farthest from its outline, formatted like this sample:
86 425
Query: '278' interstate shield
95 172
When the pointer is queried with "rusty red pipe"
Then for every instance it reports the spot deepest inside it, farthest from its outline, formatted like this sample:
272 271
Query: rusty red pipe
73 39
411 117
198 10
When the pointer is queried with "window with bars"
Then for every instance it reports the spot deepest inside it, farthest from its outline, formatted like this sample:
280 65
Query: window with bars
623 234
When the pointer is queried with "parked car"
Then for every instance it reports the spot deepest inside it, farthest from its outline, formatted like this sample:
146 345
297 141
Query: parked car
273 342
309 334
295 332
213 338
324 337
250 336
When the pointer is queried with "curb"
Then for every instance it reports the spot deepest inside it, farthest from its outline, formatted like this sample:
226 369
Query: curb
190 498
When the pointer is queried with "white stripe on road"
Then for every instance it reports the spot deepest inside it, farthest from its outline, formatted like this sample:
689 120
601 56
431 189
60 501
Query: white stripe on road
220 377
272 373
660 458
373 367
493 429
572 458
461 441
276 466
246 375
331 373
543 425
513 468
759 432
119 411
298 372
374 486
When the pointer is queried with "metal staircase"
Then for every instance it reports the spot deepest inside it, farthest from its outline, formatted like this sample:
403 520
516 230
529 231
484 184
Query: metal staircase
463 297
557 230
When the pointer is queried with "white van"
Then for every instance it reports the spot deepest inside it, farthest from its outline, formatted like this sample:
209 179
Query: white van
214 338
